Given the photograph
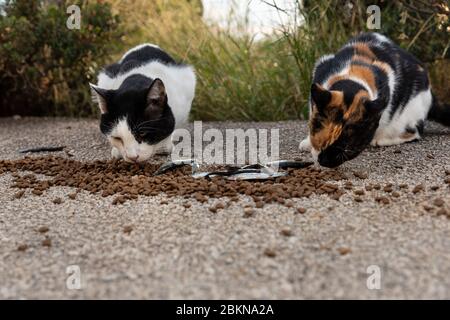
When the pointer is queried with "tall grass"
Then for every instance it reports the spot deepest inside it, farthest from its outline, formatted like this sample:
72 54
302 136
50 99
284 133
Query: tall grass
238 78
45 67
243 79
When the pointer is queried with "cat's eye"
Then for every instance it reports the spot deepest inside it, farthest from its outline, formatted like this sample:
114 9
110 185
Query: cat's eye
154 101
117 139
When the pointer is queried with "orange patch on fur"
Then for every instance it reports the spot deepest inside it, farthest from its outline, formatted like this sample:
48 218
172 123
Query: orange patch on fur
335 79
330 131
355 111
383 66
408 135
364 50
325 137
365 74
361 58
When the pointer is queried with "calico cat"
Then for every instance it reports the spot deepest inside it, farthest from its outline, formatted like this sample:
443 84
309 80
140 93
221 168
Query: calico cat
369 92
143 98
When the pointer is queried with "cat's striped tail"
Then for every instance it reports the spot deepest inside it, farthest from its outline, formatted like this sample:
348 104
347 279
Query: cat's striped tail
440 112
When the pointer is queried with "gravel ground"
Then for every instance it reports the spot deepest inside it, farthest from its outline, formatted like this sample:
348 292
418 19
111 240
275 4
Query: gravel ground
170 252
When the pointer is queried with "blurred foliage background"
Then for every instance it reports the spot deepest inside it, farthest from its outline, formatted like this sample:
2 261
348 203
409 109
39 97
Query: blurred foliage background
420 26
45 67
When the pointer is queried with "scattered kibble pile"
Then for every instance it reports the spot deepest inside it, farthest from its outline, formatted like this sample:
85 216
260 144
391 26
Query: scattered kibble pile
127 181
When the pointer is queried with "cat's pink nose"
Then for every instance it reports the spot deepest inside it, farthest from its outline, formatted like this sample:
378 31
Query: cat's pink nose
133 158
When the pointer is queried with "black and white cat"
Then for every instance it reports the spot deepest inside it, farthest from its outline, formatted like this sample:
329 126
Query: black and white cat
143 98
369 92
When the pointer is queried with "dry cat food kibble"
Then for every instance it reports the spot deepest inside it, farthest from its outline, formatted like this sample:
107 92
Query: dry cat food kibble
360 175
248 212
128 181
43 229
344 250
259 204
301 210
46 242
127 229
220 205
438 202
19 194
72 195
271 253
37 192
443 212
22 247
125 182
418 188
383 200
213 209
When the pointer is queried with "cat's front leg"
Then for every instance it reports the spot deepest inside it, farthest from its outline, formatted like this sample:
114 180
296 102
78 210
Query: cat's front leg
115 153
384 139
385 142
305 145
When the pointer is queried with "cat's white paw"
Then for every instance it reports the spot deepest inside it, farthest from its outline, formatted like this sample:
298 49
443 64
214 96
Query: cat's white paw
384 142
115 153
305 145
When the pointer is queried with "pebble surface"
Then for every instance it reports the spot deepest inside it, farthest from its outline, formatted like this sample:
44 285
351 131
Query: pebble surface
314 247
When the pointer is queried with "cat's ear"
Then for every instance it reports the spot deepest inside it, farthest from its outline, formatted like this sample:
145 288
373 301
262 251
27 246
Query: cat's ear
374 106
156 98
99 96
320 96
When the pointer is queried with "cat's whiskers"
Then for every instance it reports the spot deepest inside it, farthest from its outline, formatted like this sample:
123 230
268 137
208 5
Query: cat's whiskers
147 124
108 127
151 121
144 127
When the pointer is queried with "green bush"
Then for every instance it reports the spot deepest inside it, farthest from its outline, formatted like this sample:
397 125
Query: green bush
45 66
422 27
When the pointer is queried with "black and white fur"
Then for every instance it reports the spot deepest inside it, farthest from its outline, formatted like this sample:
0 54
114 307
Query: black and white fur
143 98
